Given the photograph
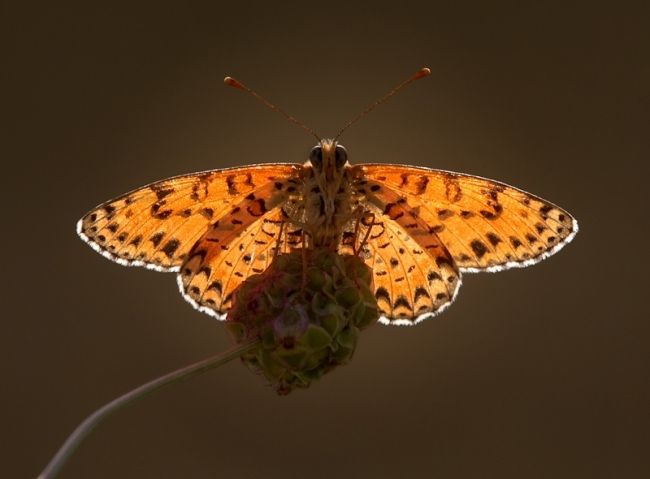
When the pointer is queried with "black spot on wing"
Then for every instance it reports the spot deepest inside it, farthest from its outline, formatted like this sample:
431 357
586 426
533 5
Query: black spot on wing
492 215
232 186
216 286
156 238
170 247
544 209
515 242
421 292
493 238
401 301
162 191
207 213
163 215
382 294
479 248
443 260
432 275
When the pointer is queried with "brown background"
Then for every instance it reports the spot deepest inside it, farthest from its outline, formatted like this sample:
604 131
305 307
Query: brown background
533 373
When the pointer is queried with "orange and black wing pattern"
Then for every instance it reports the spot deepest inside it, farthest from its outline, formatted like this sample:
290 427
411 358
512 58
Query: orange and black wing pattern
157 225
454 223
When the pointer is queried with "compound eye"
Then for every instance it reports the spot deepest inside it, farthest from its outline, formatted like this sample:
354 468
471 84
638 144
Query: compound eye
316 156
341 156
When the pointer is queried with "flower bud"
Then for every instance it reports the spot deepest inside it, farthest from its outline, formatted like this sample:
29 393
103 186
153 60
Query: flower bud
307 310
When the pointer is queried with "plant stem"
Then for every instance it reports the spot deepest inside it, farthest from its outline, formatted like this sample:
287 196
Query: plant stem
88 425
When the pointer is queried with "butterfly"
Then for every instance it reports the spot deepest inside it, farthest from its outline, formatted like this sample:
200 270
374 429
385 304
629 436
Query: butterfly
418 229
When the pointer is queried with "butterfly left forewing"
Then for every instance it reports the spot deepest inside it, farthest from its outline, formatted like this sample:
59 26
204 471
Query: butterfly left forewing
156 226
485 225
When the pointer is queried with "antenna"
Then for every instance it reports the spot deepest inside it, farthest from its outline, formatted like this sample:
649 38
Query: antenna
237 84
421 73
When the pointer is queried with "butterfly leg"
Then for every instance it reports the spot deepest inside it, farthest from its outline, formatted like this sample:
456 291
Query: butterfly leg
278 246
304 258
368 220
357 217
357 228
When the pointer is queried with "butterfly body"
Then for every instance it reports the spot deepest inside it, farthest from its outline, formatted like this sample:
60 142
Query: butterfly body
325 205
418 229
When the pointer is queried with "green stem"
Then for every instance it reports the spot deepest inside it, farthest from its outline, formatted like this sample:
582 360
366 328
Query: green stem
87 426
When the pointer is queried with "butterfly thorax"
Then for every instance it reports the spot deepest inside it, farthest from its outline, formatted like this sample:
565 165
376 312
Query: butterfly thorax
327 207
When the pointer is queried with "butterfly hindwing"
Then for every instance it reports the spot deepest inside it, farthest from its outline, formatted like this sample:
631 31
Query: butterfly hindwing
411 282
243 243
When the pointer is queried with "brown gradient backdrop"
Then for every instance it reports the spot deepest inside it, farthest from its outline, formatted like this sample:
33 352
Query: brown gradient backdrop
534 373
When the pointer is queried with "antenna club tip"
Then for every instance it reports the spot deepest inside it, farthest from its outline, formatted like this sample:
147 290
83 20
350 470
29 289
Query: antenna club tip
423 72
233 83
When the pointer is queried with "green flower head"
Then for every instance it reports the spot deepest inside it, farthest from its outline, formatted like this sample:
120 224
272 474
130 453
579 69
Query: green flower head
307 310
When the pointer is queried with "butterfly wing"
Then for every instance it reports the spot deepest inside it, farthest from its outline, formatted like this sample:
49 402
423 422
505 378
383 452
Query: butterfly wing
222 259
411 282
157 225
484 224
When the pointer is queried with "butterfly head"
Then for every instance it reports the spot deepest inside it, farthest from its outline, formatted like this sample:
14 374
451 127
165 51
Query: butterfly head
328 157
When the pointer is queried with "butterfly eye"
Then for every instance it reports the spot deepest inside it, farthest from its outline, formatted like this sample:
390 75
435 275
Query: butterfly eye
341 156
316 157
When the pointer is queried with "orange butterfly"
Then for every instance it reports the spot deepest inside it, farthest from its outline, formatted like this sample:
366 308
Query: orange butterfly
417 228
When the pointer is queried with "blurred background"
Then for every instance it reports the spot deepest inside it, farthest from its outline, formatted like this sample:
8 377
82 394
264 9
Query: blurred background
536 373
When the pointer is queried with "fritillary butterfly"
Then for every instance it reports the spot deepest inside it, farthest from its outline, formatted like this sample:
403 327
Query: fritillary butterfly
418 229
